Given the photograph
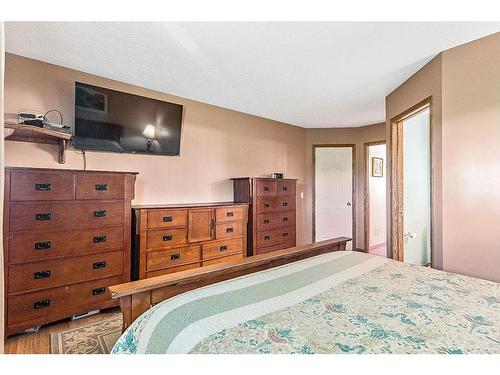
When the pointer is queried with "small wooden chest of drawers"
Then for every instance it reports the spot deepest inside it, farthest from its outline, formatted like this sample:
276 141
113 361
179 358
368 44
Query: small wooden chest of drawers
66 239
174 238
271 224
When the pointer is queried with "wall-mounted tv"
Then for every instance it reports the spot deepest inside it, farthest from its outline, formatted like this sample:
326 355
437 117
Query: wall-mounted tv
109 120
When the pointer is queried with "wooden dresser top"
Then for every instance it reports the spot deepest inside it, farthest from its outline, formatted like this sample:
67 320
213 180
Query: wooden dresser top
187 205
64 170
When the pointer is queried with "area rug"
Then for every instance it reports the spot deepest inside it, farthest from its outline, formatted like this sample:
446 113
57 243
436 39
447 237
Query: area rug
96 338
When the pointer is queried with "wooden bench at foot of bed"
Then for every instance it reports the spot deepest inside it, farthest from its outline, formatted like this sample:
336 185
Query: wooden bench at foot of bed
138 296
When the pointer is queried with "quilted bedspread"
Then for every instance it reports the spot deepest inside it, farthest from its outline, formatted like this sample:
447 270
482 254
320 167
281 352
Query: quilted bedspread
342 302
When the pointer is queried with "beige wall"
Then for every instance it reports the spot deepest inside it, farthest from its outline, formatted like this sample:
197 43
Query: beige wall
471 158
216 143
357 136
423 84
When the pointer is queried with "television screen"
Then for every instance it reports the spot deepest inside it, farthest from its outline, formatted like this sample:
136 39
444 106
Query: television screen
109 120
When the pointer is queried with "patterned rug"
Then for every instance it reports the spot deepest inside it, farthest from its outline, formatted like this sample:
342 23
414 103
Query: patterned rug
95 338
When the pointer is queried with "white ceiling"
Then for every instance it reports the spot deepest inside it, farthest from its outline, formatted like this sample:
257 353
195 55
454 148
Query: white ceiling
307 74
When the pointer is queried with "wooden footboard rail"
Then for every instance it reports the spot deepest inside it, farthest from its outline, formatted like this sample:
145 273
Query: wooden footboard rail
138 296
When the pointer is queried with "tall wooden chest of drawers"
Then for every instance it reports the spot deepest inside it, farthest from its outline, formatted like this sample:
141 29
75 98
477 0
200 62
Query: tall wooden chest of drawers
66 239
173 238
271 223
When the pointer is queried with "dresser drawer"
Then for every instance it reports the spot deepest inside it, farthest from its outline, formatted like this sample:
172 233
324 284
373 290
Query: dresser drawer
166 218
279 246
266 204
285 187
50 244
173 257
265 187
57 303
41 186
275 220
64 215
285 203
227 230
162 238
100 186
222 248
229 258
56 272
223 214
166 271
274 236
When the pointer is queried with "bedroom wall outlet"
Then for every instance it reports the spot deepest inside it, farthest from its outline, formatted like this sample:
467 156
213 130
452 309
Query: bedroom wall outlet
301 195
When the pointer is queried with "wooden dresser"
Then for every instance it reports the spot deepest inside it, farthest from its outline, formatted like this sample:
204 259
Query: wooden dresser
173 238
66 239
271 223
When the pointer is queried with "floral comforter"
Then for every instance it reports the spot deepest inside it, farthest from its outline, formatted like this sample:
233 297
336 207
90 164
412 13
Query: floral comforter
343 302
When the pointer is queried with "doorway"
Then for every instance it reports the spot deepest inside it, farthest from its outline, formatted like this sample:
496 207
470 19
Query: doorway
411 186
333 192
375 198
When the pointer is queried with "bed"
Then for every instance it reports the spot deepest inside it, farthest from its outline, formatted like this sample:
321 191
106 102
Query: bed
311 299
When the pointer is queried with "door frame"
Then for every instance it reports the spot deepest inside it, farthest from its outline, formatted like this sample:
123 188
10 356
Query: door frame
366 174
397 179
353 194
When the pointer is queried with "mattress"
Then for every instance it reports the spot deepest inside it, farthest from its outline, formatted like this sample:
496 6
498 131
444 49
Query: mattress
341 302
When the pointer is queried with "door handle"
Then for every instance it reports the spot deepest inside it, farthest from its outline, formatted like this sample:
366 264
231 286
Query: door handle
409 235
348 204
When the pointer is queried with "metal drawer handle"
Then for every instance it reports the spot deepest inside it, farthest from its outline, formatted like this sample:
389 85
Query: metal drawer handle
223 248
285 219
41 275
167 219
43 187
167 237
285 188
99 265
99 239
43 245
229 230
175 256
266 188
266 221
285 204
41 304
266 205
285 234
101 187
100 213
43 216
266 238
98 291
229 214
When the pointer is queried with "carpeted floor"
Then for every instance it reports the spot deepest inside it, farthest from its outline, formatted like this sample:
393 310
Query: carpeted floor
95 338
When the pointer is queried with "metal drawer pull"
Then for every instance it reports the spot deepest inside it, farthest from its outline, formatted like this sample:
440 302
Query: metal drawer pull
41 275
99 265
223 248
266 188
101 187
285 204
266 238
266 221
99 239
44 245
285 219
43 216
175 256
285 234
229 214
97 291
285 188
43 187
100 213
229 230
41 304
266 205
167 237
167 219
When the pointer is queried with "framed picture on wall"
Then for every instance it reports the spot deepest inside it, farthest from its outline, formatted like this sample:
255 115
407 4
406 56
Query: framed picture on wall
377 167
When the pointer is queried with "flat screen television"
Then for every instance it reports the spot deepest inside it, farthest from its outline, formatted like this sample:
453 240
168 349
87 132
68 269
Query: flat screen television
109 120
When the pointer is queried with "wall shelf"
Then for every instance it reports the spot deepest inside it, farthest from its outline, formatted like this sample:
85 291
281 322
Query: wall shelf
35 134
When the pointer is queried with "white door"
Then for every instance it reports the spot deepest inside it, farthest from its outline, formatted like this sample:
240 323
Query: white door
333 193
